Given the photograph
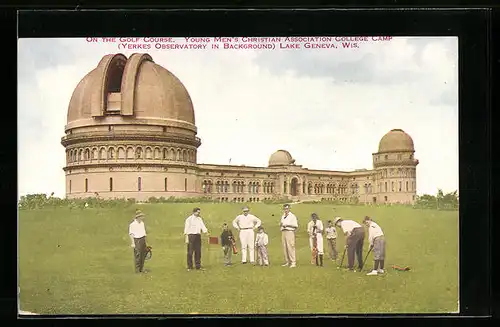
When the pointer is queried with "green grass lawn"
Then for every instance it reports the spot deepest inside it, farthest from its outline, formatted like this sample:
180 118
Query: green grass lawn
80 262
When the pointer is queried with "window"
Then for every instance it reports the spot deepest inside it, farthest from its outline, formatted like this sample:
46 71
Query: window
139 184
392 186
111 184
400 188
385 198
70 186
185 184
284 187
86 185
407 186
167 188
399 156
385 186
386 157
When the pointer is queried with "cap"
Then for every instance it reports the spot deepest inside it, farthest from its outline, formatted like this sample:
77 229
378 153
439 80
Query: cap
286 206
245 209
336 220
138 213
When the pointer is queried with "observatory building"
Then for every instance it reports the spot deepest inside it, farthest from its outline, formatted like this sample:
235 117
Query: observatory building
131 133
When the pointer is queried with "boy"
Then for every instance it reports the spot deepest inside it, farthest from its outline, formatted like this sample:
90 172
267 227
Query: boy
226 239
331 236
261 242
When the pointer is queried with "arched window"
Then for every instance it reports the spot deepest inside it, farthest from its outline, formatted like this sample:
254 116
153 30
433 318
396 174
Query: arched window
111 184
86 185
226 187
185 184
138 153
166 184
139 184
284 188
111 153
400 186
70 186
217 187
392 186
406 186
385 186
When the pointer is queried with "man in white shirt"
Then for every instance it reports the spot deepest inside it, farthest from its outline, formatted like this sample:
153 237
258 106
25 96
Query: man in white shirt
245 224
355 235
315 230
288 226
377 244
137 233
192 230
331 237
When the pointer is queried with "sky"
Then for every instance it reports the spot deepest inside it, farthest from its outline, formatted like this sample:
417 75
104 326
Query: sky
328 107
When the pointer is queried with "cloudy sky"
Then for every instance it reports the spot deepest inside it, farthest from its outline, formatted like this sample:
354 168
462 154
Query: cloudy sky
327 107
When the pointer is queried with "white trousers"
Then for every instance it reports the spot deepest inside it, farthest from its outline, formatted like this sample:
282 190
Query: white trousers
319 241
247 239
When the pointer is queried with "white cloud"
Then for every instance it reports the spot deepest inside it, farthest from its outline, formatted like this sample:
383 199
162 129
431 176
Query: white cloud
249 104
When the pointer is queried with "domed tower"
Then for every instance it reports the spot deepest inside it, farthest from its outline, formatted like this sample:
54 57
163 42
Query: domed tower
281 158
130 132
395 168
289 182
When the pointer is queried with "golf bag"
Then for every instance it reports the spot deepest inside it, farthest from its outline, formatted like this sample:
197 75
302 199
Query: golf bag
401 268
149 252
233 244
314 258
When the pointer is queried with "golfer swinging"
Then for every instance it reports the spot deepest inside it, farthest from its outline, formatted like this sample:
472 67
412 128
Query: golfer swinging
246 223
355 235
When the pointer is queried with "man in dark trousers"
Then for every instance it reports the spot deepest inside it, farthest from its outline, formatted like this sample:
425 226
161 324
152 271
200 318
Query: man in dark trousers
226 240
192 230
137 233
355 236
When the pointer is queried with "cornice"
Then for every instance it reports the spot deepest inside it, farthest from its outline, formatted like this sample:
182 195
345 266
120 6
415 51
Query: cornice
114 136
140 165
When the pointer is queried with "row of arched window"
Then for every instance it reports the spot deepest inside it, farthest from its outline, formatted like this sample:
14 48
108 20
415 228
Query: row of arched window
330 188
236 186
400 186
397 172
129 152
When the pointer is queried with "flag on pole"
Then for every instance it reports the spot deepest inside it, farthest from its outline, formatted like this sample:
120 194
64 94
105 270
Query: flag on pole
229 160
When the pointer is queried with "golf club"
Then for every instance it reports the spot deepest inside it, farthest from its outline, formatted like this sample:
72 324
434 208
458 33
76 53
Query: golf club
342 261
366 257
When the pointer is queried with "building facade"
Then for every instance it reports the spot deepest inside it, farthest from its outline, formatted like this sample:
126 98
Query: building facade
131 133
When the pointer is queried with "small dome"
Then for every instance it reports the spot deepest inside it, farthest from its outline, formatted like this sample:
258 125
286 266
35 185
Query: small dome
281 158
396 140
143 88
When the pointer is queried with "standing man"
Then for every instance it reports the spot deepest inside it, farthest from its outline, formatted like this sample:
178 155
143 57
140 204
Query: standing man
246 223
377 243
288 226
315 230
355 235
137 233
192 230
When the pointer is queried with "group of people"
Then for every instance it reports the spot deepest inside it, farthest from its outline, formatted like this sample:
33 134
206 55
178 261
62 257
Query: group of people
246 224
